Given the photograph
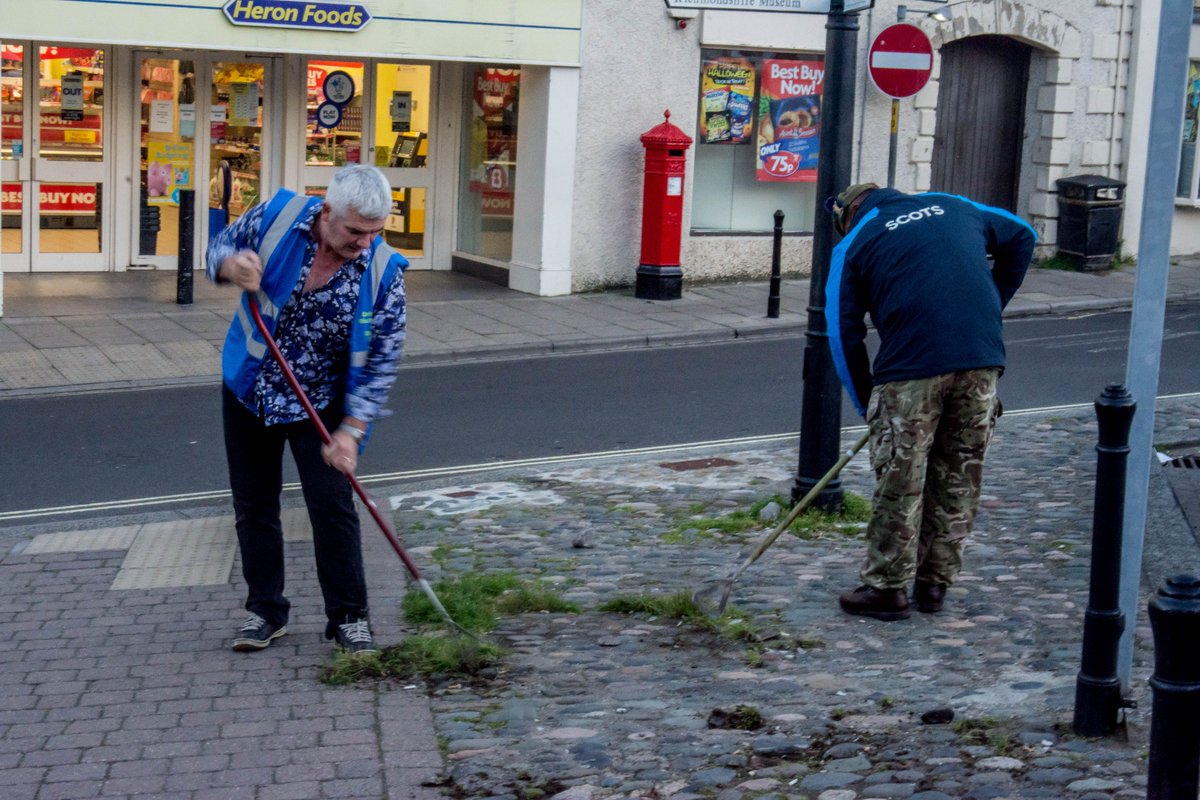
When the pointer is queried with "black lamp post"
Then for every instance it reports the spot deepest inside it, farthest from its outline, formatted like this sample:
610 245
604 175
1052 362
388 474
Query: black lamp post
820 421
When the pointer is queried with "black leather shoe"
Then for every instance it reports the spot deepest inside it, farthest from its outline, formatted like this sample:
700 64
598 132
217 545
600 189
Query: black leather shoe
885 604
929 597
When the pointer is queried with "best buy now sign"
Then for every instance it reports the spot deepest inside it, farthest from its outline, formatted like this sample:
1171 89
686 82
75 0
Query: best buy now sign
298 14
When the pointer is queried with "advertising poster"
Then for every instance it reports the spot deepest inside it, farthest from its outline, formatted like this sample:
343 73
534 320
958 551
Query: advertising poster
789 120
168 169
726 100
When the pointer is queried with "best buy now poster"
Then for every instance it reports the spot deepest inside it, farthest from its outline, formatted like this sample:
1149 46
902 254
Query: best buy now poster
726 97
789 120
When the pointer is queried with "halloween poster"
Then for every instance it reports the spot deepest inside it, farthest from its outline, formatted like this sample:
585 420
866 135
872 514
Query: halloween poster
789 120
726 100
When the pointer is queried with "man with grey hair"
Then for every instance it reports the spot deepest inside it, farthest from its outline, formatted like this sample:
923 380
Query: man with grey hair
332 294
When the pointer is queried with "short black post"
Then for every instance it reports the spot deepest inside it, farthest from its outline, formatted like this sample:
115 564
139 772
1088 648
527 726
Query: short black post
776 250
1174 736
1098 699
187 239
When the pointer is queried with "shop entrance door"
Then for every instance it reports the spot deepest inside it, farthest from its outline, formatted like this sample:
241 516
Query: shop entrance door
376 112
55 159
204 127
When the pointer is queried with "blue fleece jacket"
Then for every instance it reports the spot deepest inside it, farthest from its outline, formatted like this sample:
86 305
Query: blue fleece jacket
918 264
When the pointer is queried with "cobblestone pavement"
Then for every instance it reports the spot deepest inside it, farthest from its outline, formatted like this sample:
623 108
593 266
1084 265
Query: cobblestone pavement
113 686
608 705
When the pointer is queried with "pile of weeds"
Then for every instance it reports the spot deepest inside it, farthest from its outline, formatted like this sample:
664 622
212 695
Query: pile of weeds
732 625
476 602
812 524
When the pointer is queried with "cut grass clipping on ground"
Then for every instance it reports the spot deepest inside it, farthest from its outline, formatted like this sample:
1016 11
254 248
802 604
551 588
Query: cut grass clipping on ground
475 602
812 524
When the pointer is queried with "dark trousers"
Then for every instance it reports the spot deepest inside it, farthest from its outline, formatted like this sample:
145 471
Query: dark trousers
255 455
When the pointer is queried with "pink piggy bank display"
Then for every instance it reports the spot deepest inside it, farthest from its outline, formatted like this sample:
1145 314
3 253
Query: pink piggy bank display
158 179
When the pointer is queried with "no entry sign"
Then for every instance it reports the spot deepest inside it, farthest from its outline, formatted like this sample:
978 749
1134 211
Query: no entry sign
900 60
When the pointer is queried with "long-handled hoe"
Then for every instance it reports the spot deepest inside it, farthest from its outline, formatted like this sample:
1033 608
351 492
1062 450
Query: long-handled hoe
723 587
358 488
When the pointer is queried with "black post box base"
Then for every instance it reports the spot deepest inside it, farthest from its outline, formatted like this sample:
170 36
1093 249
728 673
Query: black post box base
658 283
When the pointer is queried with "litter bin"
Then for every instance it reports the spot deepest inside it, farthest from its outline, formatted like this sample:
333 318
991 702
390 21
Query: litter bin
1089 220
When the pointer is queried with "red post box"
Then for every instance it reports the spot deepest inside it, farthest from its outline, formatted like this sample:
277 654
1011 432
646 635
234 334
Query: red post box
659 276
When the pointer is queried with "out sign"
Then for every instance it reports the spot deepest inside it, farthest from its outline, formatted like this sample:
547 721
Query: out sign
72 97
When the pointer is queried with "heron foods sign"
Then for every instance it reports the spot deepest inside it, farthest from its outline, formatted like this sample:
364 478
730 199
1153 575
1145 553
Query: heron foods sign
347 17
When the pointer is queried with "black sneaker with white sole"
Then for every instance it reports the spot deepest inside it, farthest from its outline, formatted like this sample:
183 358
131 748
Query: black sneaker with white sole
256 633
355 637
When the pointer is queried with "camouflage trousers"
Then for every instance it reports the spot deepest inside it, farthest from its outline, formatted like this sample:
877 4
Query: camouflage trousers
927 443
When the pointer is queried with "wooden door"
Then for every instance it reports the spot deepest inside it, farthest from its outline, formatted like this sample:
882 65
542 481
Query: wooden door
981 119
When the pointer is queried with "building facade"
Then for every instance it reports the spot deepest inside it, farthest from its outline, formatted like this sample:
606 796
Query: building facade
510 128
114 110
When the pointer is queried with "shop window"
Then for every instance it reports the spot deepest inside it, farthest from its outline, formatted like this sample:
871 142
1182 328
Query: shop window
236 139
402 115
1189 170
167 150
12 94
335 113
71 92
758 142
489 161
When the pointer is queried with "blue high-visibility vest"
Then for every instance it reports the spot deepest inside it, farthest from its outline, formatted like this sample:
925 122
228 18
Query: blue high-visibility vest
281 249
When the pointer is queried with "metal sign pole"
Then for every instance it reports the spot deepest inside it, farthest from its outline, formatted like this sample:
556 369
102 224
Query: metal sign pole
1150 295
891 175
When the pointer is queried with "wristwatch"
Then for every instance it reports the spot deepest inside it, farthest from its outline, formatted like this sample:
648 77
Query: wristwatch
356 434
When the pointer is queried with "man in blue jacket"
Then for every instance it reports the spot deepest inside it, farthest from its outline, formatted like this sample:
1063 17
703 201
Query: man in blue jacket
919 266
332 294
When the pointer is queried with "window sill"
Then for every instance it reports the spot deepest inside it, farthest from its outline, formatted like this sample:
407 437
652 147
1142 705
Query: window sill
710 232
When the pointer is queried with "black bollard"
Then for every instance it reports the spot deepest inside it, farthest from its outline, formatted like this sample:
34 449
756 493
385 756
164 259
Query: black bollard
1098 699
187 238
1174 771
776 250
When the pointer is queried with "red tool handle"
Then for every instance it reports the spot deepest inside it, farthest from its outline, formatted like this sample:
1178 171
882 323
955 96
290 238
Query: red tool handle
326 438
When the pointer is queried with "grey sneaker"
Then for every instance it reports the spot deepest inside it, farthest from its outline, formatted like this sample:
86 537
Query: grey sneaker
355 637
256 633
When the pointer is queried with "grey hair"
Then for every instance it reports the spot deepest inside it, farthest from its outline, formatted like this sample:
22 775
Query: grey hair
362 189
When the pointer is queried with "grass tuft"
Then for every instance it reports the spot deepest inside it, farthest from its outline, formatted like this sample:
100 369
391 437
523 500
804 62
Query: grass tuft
470 601
680 606
416 656
811 524
475 602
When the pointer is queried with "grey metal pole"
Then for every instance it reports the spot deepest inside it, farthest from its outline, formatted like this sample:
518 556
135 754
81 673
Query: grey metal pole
893 140
1150 294
821 409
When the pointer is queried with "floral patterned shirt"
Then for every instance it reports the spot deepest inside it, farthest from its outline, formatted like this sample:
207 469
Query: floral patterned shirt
313 331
